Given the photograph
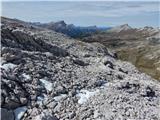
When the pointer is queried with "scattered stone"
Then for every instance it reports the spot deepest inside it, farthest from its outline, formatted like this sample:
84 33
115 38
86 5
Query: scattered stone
52 105
84 95
58 98
120 69
8 66
48 85
149 92
71 115
109 64
45 116
80 62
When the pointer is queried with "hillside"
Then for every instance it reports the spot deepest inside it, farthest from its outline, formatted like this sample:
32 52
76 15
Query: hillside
140 46
49 76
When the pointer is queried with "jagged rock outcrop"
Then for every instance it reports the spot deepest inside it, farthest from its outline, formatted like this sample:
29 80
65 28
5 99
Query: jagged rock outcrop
48 76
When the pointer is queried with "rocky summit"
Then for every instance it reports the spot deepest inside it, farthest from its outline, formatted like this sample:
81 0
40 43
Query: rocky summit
46 75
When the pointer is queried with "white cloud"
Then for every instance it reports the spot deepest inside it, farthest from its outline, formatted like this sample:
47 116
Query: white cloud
109 9
86 13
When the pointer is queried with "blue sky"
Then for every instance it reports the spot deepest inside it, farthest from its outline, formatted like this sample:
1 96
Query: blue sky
104 13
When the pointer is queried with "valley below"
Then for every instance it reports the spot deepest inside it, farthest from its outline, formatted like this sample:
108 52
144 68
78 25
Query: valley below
140 46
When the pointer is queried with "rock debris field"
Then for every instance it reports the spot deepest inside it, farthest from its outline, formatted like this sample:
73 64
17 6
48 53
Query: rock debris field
48 76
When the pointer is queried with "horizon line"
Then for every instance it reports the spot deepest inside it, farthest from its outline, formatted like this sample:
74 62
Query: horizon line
104 26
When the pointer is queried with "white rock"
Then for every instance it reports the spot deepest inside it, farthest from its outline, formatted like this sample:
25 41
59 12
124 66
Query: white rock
38 117
40 100
27 77
58 98
84 95
48 54
8 66
19 112
48 85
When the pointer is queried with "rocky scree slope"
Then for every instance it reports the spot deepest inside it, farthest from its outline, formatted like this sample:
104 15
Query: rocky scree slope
47 76
140 46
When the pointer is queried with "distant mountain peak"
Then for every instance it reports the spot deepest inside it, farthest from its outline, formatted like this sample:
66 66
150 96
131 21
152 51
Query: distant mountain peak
61 23
126 26
120 28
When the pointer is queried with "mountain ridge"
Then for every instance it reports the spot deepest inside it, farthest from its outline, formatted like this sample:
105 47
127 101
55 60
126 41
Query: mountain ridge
136 45
70 29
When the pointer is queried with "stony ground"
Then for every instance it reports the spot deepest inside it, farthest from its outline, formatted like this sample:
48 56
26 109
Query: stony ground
48 76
